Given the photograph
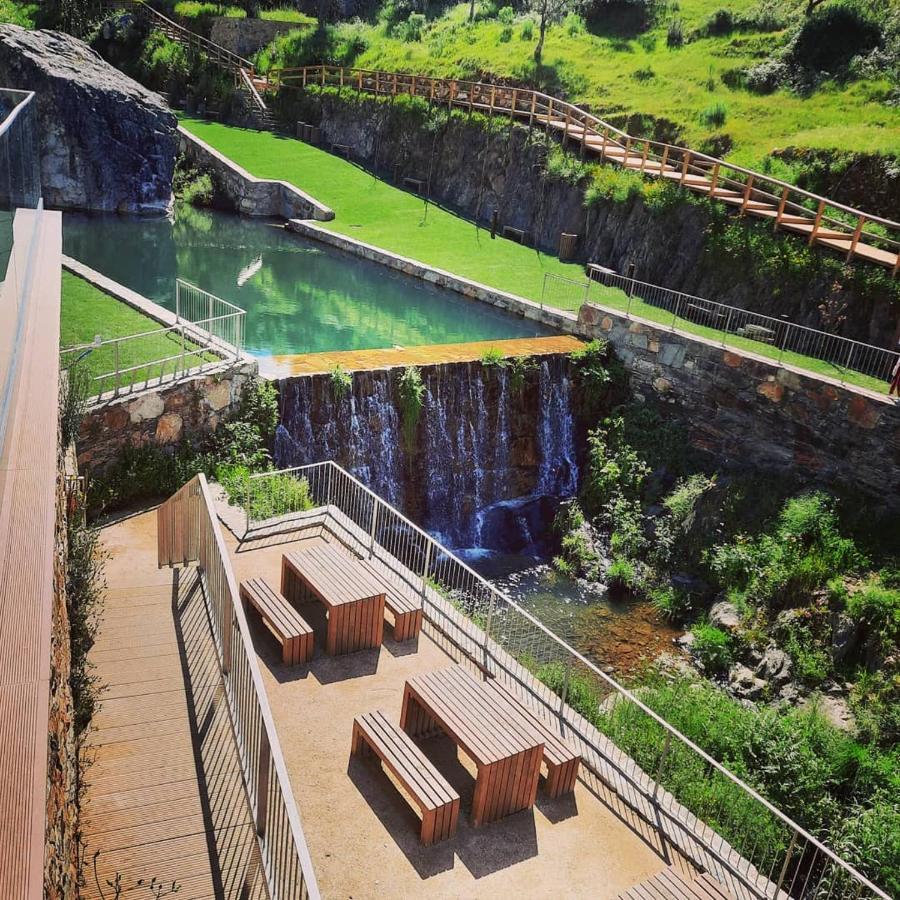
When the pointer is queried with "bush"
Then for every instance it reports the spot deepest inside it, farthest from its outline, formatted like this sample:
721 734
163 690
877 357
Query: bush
832 36
613 184
621 575
878 608
411 390
527 32
766 77
519 369
675 33
341 382
594 373
505 35
573 24
644 74
714 116
275 495
578 556
79 386
671 603
621 17
411 30
614 470
713 647
506 15
720 22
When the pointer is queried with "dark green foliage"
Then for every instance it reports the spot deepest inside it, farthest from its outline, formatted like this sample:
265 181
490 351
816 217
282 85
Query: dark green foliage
272 496
713 647
832 36
312 46
877 606
85 588
76 393
781 568
577 553
615 471
519 369
581 694
683 531
341 382
621 17
596 372
411 390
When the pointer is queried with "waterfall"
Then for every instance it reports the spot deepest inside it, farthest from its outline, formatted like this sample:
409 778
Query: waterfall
488 462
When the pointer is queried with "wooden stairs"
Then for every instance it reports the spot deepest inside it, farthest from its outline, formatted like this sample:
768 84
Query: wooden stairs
669 885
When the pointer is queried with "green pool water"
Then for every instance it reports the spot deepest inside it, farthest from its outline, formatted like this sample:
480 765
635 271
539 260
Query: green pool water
300 296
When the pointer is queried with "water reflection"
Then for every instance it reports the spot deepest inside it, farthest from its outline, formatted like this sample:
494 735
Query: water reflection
300 296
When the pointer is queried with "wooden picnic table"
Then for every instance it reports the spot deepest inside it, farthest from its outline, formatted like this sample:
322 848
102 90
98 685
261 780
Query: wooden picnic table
504 745
353 597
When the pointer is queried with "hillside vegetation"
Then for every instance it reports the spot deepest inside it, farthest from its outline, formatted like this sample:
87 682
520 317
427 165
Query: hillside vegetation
737 77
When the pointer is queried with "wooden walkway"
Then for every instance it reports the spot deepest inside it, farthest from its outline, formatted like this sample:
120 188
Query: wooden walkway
426 355
28 471
165 798
820 220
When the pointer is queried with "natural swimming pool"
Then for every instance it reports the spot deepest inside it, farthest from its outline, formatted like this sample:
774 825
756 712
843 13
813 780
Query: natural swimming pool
300 296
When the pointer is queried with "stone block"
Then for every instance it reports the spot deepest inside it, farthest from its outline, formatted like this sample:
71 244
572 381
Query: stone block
217 394
672 355
150 406
771 390
863 412
168 429
732 360
638 340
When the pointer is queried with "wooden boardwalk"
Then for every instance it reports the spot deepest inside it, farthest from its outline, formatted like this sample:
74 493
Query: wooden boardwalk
165 798
430 354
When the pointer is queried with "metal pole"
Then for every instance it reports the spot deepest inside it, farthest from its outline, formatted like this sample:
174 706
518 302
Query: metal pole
427 565
565 688
784 867
662 762
373 528
262 782
116 347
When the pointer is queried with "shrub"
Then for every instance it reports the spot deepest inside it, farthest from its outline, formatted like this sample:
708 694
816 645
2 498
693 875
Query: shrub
868 837
878 608
573 24
15 13
675 33
766 77
506 15
621 575
519 368
79 386
720 22
411 30
275 495
832 36
341 382
714 116
671 603
643 74
505 35
713 647
594 373
493 356
614 470
85 590
617 185
198 190
411 390
527 32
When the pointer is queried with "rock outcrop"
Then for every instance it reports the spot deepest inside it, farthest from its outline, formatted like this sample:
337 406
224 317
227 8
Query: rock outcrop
106 143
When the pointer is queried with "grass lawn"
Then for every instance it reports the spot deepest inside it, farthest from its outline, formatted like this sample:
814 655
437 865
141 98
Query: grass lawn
615 76
87 311
380 214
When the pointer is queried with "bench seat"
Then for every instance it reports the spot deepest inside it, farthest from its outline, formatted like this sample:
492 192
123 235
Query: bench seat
562 760
437 801
287 625
407 612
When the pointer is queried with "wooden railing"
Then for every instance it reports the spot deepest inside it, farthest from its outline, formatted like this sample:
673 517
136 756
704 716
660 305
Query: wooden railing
823 222
187 532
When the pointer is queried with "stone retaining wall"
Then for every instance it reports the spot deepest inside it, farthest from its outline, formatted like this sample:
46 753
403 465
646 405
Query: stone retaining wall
250 195
245 36
162 416
751 413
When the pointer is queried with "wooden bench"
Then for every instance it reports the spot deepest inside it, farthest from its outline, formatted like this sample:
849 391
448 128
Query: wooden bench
514 234
286 624
562 760
437 801
341 150
407 611
417 185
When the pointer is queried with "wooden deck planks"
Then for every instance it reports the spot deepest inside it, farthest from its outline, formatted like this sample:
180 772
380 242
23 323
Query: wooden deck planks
165 797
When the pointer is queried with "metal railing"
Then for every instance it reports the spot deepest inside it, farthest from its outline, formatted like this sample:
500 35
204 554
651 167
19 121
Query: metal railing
188 531
207 332
845 360
820 220
715 819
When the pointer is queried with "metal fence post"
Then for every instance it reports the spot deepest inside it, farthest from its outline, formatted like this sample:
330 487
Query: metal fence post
662 762
784 866
373 528
426 566
565 688
116 347
262 782
487 631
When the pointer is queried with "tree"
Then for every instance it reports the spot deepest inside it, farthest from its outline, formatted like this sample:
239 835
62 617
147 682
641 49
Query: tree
547 11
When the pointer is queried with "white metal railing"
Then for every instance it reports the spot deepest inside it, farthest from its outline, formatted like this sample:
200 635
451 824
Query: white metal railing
732 831
207 332
820 220
188 531
846 360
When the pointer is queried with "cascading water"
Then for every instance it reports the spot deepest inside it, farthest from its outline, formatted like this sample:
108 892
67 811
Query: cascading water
489 461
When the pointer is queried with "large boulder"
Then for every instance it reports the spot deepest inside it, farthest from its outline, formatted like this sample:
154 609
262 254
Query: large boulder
106 142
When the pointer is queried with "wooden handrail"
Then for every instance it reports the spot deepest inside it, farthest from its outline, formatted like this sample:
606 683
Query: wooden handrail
188 531
759 188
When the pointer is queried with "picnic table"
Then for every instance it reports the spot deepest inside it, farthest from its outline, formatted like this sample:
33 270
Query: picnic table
353 597
504 745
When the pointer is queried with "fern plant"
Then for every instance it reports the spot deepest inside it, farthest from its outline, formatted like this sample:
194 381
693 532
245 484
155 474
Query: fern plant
411 390
341 382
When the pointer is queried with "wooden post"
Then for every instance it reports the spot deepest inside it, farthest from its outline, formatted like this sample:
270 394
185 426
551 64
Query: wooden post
856 235
304 76
359 80
262 782
715 180
394 86
431 94
780 214
549 115
323 76
513 104
685 162
816 222
377 85
644 156
665 158
748 188
341 76
493 91
533 104
413 90
603 145
583 137
568 124
450 94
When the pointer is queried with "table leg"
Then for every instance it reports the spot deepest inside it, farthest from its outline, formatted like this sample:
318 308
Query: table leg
332 636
